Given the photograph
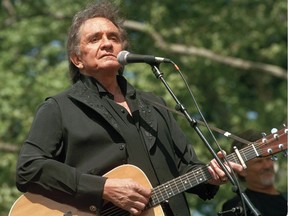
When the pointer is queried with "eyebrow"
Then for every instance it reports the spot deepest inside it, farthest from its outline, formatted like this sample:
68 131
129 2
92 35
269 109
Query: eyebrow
112 33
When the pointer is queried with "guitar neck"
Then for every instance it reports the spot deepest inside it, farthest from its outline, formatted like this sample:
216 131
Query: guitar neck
182 183
193 178
178 185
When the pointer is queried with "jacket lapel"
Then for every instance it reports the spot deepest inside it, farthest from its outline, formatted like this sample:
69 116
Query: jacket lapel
83 95
148 123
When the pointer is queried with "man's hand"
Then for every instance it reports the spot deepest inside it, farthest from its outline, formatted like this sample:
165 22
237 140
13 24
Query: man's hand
126 194
218 175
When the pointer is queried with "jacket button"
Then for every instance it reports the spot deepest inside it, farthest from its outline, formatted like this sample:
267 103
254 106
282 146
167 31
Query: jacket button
93 208
122 147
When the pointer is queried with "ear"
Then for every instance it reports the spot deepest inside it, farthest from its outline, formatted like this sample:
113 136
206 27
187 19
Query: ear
76 60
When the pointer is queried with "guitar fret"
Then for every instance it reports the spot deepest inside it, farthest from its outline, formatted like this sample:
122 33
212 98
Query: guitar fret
195 177
186 182
175 183
174 188
163 192
233 158
154 196
168 191
199 175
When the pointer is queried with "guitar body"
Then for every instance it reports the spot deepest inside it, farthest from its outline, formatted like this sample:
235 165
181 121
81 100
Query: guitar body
38 205
35 204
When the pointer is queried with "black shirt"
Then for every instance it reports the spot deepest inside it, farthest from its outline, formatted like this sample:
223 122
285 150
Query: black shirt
136 152
267 205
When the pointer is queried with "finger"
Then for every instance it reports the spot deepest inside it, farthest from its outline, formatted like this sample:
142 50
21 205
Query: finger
143 191
212 172
142 199
219 173
134 211
136 208
221 153
228 167
236 167
139 205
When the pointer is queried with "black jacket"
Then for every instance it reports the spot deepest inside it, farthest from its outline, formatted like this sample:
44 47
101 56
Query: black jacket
74 140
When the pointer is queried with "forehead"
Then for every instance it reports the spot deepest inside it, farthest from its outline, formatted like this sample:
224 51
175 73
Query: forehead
98 24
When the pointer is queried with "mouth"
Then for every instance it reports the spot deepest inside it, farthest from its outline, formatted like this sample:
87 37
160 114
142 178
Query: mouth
268 172
108 55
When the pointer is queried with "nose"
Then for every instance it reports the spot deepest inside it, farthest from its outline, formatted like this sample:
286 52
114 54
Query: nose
105 42
268 163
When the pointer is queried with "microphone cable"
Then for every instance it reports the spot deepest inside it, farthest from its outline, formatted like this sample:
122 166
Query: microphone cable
213 137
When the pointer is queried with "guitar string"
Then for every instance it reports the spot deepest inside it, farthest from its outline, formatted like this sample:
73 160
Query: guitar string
114 210
174 187
269 140
249 153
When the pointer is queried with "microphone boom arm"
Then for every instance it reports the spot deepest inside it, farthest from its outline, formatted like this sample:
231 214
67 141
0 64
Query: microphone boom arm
193 123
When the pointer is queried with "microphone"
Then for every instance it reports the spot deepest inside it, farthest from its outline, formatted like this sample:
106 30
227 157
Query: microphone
124 57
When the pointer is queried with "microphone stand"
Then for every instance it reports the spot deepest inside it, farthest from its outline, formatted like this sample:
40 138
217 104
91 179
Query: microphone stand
193 123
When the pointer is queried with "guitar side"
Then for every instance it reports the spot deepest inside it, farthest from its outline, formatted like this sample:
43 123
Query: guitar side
35 204
38 205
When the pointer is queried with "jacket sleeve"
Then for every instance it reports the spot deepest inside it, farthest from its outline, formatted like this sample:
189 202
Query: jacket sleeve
41 168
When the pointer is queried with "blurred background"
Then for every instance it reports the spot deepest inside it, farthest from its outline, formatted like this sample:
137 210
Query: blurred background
233 54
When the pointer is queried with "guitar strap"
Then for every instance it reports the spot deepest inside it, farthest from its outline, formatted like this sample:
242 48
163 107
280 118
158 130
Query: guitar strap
218 130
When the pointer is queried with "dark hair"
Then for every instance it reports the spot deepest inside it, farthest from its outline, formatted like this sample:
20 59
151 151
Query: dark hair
103 8
249 135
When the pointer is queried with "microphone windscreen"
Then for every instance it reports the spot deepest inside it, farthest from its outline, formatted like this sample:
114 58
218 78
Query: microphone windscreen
121 57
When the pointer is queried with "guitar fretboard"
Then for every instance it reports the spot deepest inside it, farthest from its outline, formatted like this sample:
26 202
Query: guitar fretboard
182 183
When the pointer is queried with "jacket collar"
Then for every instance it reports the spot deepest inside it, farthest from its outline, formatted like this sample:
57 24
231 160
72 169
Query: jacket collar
89 92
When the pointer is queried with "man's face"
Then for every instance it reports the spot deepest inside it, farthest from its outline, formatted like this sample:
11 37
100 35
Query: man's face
100 43
260 172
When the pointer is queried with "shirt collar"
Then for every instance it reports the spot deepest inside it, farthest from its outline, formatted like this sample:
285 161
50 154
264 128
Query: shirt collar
92 84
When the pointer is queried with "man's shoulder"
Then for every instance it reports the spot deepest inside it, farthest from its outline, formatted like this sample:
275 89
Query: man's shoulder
76 88
149 96
60 94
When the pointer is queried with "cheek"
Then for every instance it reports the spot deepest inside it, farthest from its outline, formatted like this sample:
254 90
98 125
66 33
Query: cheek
253 170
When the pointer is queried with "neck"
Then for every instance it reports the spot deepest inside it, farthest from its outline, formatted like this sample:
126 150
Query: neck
109 82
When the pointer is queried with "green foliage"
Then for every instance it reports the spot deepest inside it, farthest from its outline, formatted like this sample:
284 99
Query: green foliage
33 66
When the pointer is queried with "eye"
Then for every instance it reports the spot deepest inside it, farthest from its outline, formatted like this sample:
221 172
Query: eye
94 39
115 38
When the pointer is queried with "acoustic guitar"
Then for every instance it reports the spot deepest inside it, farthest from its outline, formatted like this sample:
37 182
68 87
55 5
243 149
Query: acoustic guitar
38 205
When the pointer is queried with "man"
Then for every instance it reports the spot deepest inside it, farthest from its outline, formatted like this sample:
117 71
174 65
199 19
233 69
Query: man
260 182
102 122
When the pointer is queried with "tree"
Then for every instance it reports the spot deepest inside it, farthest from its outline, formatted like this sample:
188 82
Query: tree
205 39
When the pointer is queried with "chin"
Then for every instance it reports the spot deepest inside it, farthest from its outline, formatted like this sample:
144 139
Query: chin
268 180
